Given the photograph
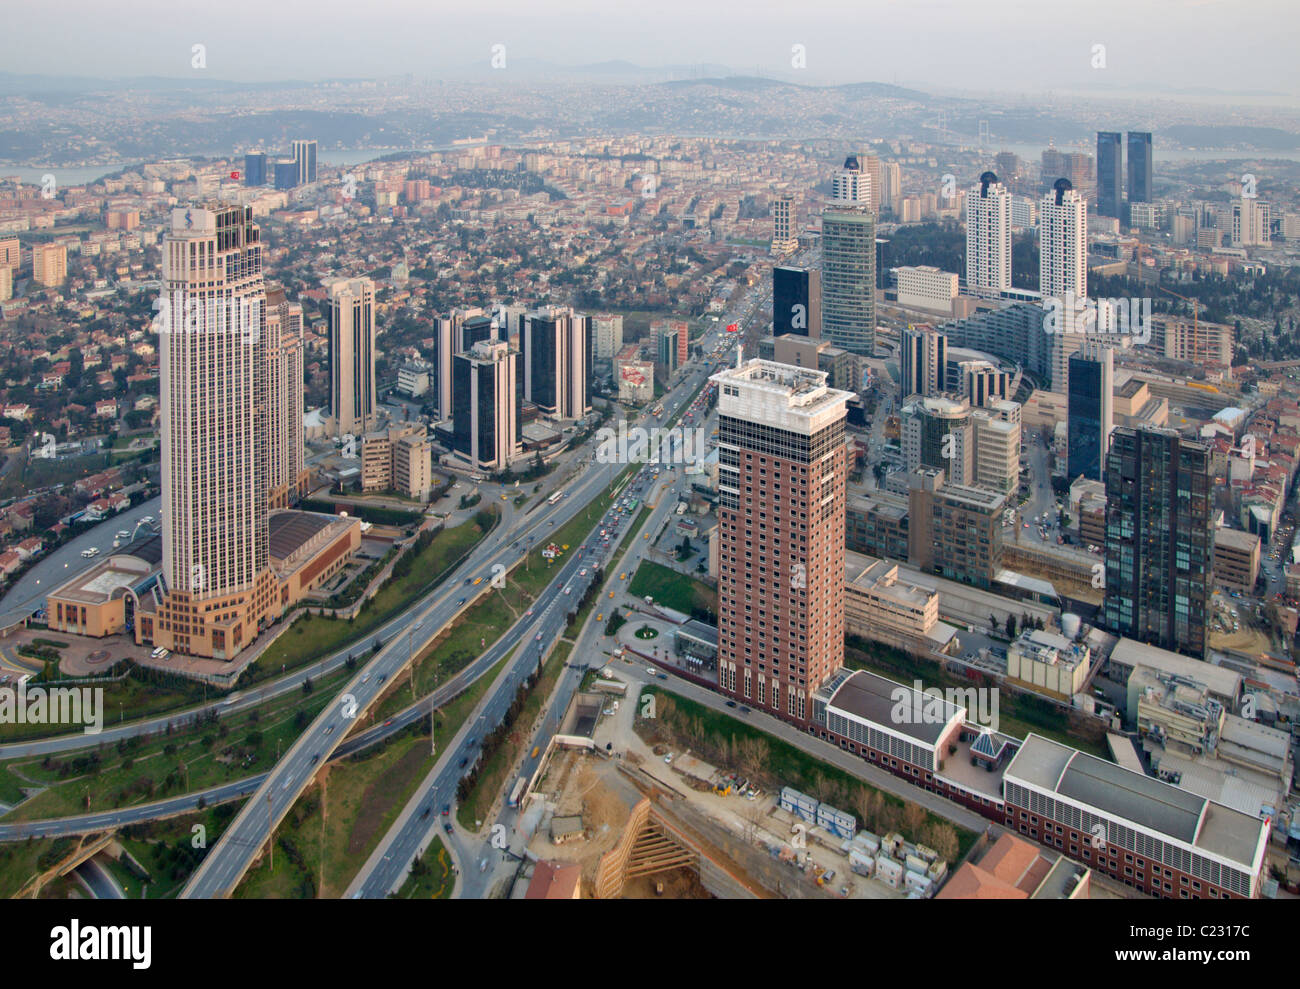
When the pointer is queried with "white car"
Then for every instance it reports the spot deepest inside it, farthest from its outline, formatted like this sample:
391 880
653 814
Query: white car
88 553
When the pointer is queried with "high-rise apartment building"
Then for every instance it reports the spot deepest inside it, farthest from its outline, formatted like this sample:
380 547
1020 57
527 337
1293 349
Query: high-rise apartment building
1090 399
213 400
796 301
849 278
1063 243
10 253
923 361
891 185
988 235
608 330
1159 539
1250 223
785 237
1110 173
781 477
487 426
288 474
1139 166
556 351
49 264
304 158
352 355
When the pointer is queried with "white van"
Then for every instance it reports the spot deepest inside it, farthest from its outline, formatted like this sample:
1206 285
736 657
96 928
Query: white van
160 653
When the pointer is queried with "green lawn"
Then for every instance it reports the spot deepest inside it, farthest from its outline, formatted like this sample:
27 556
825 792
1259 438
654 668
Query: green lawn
673 590
190 759
432 879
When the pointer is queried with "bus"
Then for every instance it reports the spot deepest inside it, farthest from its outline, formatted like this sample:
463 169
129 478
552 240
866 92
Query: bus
555 497
518 790
631 507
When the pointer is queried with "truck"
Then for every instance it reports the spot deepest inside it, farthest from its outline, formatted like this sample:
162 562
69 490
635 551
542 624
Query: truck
518 790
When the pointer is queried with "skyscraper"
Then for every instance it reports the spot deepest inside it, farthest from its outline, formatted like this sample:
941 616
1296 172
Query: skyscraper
1110 173
304 157
784 237
796 301
352 355
781 475
1159 539
851 185
255 168
1063 243
988 235
444 352
1139 166
849 278
486 431
287 469
556 345
1091 385
213 401
923 361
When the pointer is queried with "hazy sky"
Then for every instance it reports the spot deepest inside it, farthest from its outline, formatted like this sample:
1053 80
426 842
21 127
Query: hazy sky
1014 45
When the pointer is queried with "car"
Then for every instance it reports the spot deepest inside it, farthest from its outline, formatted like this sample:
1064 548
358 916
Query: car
650 670
365 678
662 676
538 637
286 783
668 758
315 759
743 709
446 809
446 826
464 762
468 581
461 601
88 553
582 573
382 678
731 703
329 730
147 520
568 590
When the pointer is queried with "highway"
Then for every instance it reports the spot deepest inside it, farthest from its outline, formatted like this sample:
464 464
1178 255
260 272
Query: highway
433 802
28 594
229 859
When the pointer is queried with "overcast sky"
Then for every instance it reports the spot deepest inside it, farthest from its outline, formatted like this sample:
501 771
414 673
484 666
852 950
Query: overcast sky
1008 45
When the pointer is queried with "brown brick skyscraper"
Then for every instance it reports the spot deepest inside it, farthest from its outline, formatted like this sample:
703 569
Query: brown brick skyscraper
781 535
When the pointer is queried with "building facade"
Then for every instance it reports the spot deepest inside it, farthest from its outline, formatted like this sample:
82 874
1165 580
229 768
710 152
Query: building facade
781 483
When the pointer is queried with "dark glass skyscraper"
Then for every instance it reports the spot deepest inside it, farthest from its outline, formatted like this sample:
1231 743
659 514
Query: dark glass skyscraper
1110 173
1090 387
796 301
255 168
1139 166
1159 539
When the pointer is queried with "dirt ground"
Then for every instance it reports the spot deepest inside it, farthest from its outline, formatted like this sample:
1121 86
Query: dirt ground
678 884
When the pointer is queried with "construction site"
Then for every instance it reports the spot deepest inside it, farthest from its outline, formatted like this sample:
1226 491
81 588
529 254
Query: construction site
636 821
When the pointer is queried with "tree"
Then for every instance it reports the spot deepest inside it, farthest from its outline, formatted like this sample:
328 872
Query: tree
914 819
1011 626
867 802
942 837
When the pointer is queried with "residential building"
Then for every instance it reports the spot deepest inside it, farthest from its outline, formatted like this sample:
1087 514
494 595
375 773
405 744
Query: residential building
988 236
1063 243
781 477
923 361
954 531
